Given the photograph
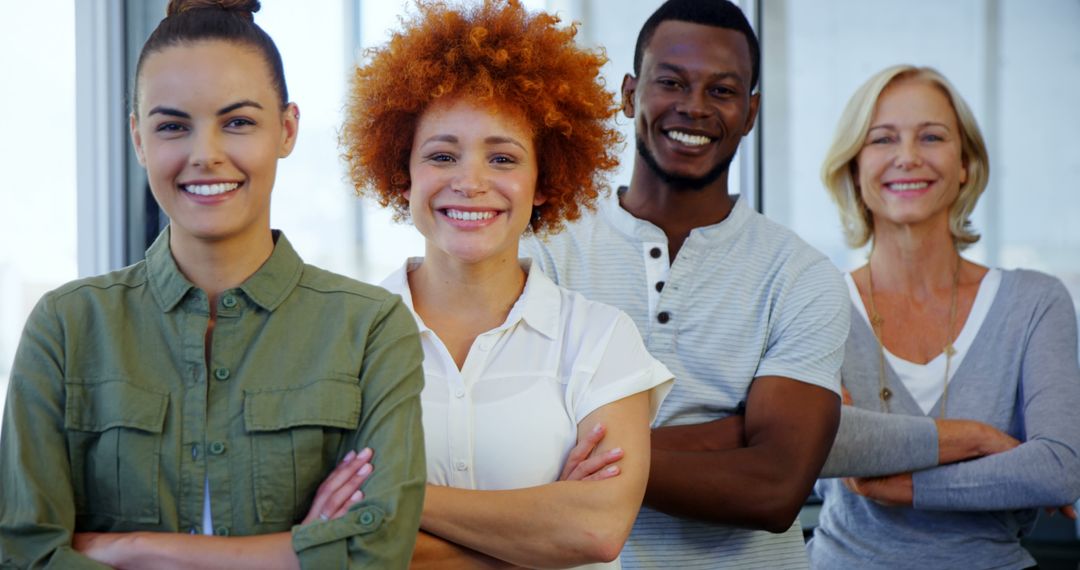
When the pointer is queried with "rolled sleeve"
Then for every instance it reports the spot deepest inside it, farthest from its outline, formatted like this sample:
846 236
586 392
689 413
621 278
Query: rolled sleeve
381 531
37 504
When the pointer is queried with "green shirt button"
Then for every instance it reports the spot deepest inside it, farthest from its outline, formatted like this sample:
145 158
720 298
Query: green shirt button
229 301
366 517
222 374
222 531
217 448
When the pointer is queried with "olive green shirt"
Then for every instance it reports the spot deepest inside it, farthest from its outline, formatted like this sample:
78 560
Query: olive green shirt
114 421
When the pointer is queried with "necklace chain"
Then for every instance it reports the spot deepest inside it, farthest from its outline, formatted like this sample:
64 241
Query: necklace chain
877 323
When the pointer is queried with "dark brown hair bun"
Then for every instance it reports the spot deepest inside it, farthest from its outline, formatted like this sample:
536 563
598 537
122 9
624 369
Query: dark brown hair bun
191 21
245 8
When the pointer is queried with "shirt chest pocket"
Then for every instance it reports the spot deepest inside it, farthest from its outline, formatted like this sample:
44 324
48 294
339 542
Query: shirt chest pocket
114 431
297 435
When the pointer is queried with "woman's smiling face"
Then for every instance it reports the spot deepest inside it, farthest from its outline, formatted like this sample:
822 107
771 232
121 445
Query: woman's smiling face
210 131
911 166
473 173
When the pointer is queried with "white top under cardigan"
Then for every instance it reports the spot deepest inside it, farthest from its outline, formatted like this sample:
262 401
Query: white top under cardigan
508 418
924 381
1020 376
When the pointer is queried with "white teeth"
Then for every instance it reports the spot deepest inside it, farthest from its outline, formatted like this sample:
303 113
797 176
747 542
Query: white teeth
469 216
907 186
689 139
210 189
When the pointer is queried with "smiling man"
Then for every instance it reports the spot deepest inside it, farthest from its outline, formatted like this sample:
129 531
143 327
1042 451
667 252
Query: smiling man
750 319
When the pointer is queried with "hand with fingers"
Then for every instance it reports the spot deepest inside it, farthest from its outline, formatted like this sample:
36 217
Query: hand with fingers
341 488
584 463
1067 511
890 490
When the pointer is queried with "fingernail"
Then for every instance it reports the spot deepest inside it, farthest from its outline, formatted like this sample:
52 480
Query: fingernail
348 456
616 451
612 469
598 428
364 470
356 496
366 453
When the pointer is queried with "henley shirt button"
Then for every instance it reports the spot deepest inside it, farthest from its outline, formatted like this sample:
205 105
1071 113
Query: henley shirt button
222 374
460 466
655 253
366 517
229 301
222 531
484 344
217 448
659 286
663 317
460 393
194 451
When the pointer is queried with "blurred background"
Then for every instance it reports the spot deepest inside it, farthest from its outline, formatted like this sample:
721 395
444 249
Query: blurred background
73 201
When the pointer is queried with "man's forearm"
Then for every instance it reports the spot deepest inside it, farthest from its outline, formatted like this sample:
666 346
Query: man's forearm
717 435
744 487
788 429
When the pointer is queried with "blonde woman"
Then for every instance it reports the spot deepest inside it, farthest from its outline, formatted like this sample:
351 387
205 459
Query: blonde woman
937 336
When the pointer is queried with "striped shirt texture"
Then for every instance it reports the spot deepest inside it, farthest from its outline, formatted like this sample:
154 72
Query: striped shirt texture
744 298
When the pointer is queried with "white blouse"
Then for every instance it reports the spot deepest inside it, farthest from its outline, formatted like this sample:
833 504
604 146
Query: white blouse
509 417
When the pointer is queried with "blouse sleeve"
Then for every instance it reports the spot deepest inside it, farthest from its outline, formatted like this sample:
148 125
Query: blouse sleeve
1045 469
616 366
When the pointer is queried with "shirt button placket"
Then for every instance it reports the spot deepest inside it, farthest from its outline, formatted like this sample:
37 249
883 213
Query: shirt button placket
657 268
458 437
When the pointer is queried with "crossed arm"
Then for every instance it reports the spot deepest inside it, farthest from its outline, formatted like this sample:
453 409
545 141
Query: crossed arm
955 439
163 550
762 482
567 523
37 497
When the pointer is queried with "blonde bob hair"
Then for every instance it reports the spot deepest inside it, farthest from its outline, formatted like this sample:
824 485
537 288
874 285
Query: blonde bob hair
838 171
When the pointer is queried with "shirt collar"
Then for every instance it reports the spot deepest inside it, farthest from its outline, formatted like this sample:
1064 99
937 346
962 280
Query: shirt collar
626 223
538 306
267 287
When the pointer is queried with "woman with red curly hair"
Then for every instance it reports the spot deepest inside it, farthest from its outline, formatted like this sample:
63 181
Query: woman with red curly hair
479 124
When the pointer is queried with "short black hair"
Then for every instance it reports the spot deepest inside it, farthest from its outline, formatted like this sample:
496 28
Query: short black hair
717 13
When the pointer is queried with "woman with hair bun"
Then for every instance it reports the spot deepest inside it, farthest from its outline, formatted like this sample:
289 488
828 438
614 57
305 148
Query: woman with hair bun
210 388
479 124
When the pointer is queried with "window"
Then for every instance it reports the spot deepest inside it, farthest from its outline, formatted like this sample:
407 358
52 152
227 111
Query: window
37 198
1014 62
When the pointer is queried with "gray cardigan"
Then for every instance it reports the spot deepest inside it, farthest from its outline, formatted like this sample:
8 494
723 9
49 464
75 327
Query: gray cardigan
1021 375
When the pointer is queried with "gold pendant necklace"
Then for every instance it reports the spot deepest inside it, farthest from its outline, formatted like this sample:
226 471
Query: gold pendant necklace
877 323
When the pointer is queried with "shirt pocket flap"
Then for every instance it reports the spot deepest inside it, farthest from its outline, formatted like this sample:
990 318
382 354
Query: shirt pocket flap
329 402
100 406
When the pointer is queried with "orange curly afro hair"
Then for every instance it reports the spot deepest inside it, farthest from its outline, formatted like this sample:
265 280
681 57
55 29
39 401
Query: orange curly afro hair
495 54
